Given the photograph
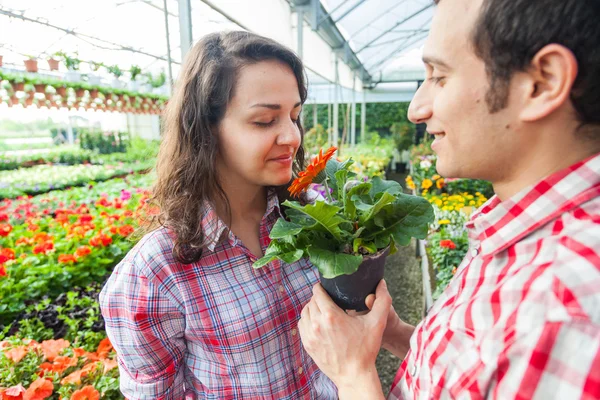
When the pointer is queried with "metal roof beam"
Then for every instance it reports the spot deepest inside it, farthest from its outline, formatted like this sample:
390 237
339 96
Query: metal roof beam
394 27
354 7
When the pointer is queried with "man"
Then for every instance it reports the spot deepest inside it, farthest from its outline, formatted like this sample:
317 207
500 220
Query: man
512 96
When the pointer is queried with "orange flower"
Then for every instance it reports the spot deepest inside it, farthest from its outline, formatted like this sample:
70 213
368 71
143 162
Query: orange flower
3 271
82 251
75 377
12 393
109 364
306 177
104 348
125 230
59 365
16 354
43 248
25 241
440 183
100 240
66 258
52 348
39 390
5 229
8 253
86 393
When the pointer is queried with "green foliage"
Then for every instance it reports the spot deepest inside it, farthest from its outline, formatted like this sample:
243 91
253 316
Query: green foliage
135 70
315 138
360 219
104 142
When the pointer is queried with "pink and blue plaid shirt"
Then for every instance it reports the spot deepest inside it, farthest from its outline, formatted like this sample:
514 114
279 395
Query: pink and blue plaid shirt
521 317
214 329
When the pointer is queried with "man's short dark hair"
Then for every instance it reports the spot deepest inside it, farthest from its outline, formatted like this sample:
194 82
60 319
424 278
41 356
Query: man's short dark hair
509 33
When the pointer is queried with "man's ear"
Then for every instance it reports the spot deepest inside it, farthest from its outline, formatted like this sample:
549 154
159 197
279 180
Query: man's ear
548 82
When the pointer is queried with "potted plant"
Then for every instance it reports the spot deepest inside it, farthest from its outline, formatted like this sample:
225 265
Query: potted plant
31 64
117 73
72 64
348 230
53 63
133 84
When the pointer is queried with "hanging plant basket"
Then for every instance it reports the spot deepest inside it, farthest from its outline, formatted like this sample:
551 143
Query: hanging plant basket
19 87
79 93
94 93
31 65
61 91
0 61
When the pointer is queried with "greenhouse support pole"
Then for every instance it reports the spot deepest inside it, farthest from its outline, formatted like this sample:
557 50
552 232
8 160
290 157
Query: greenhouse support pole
363 116
353 122
185 26
336 108
300 28
315 118
169 60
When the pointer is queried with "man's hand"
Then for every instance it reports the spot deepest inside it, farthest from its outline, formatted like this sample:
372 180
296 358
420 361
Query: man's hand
345 346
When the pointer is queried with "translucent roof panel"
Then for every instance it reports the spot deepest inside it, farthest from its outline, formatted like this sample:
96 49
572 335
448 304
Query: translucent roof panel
114 32
386 35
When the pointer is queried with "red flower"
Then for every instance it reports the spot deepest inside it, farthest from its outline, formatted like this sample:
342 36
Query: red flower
5 229
23 241
104 347
85 219
3 217
8 253
33 227
3 271
82 251
447 244
43 248
66 258
125 230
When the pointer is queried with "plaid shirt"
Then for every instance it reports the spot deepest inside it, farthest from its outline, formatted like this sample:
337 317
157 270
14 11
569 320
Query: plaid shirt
521 317
214 329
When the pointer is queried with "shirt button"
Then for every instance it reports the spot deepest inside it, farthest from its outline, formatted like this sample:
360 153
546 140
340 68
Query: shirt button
474 252
300 370
281 288
413 371
294 332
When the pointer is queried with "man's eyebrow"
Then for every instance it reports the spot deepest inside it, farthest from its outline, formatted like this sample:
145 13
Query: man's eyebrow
430 60
273 106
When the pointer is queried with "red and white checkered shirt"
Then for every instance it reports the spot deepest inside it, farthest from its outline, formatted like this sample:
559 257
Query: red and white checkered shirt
214 329
521 317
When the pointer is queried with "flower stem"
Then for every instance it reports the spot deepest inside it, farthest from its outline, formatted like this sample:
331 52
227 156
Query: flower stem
327 191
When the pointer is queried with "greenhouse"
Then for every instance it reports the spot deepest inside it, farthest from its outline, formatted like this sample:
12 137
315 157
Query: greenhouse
128 136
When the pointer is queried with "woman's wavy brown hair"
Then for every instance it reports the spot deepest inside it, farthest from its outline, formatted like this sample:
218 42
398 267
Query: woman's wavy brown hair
185 167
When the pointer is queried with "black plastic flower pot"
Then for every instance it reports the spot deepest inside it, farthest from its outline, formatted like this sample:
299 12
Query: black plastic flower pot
349 292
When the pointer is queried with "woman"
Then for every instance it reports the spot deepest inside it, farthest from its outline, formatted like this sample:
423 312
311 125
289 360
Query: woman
185 310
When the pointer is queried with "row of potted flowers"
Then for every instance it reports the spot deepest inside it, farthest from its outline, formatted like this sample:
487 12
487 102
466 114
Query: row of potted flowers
453 202
50 92
44 178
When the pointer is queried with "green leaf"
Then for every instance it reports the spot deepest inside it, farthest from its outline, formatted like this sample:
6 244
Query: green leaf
408 217
381 186
369 246
292 256
341 177
358 190
332 167
332 264
324 215
283 229
384 200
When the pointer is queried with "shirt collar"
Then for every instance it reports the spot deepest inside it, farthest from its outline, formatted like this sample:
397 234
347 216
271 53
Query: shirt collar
499 224
215 229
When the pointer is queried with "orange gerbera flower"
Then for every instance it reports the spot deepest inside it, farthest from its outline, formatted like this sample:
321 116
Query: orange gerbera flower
307 176
82 251
86 393
39 390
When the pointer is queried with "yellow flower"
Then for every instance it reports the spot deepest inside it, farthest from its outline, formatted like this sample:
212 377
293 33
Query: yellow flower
426 184
435 177
444 222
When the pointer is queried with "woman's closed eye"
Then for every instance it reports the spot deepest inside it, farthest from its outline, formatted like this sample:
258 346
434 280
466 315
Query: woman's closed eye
264 124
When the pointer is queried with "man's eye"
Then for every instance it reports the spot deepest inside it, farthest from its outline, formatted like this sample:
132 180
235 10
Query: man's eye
436 79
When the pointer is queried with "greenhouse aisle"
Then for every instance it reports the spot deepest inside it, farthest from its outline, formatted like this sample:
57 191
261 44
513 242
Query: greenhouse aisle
403 277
